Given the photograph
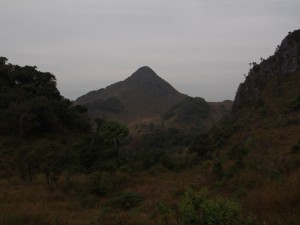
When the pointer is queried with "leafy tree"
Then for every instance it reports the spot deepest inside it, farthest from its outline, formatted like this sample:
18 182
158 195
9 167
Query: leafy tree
294 105
113 133
31 104
218 170
3 60
202 145
100 183
52 160
99 122
27 162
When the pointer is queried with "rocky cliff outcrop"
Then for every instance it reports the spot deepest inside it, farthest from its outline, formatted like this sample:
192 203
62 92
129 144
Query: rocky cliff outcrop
284 62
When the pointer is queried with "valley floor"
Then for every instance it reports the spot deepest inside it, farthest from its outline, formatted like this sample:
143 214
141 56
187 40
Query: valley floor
149 197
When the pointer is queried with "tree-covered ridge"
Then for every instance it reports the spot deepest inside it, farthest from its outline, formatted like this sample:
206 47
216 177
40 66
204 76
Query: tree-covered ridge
41 132
31 103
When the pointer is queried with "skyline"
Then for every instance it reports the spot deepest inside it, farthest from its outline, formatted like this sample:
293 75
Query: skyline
202 48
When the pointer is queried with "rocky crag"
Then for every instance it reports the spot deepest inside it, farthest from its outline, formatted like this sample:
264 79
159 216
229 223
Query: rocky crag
284 62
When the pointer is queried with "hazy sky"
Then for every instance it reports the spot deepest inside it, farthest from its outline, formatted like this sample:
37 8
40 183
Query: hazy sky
201 47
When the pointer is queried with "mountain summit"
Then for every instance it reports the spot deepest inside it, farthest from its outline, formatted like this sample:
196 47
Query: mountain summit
142 95
150 83
145 98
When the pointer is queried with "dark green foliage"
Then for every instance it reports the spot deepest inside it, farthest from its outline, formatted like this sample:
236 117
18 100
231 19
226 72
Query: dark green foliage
238 152
164 139
3 60
263 111
27 162
164 213
189 110
162 146
101 150
113 132
100 183
168 115
94 154
294 105
296 148
99 122
218 170
31 105
198 208
125 200
177 162
47 157
111 104
205 144
39 122
146 159
52 160
220 134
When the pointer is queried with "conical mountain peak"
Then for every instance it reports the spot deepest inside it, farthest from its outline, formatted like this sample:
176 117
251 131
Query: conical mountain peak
143 73
146 69
149 82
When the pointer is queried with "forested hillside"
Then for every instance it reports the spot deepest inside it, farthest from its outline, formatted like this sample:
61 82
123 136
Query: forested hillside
42 132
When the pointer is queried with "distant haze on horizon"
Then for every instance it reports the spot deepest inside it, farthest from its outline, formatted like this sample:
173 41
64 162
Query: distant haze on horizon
201 47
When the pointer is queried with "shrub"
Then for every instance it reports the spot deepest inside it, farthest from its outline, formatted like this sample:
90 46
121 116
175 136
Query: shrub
294 105
198 208
218 170
165 214
100 183
296 148
238 151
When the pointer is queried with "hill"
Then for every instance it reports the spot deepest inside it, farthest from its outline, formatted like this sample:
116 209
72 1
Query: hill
145 98
142 95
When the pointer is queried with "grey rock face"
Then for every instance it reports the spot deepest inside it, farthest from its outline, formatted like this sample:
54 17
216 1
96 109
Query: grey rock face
285 61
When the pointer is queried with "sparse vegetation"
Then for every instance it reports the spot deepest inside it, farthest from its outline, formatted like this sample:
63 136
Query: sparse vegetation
295 104
125 200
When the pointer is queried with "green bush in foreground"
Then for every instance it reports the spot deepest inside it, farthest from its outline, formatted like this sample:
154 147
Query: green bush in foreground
197 208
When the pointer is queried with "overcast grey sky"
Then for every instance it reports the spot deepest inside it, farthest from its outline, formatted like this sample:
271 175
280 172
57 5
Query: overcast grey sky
201 47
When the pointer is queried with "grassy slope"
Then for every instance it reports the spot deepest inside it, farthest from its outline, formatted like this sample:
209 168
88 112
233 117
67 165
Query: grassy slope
32 203
269 181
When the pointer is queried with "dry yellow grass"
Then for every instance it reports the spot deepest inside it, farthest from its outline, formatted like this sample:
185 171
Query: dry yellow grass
32 203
